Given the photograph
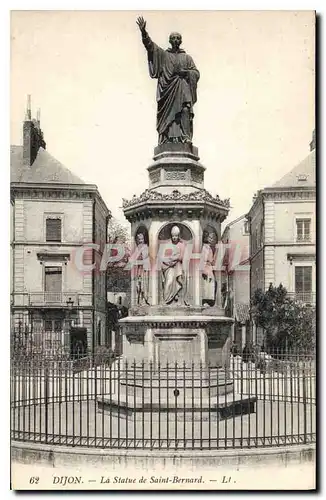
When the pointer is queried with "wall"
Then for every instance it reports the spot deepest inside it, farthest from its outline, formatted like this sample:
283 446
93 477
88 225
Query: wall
257 227
72 278
35 212
12 211
239 254
285 215
30 239
100 235
257 272
284 271
241 280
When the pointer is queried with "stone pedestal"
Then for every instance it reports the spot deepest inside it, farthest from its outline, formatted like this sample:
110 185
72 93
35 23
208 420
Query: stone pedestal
175 357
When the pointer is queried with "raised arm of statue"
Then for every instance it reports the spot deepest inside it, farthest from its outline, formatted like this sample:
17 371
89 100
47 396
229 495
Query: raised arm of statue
148 43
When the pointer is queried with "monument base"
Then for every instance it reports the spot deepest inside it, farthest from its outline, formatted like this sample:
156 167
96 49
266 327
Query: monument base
164 410
174 366
169 337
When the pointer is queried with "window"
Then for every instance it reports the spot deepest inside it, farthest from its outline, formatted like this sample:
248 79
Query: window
53 325
303 281
53 229
53 280
246 227
303 229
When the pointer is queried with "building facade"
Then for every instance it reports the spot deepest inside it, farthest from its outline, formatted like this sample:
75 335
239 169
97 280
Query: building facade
282 223
237 276
54 217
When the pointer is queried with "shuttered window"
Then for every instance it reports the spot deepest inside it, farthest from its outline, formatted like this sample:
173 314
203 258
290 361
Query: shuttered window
303 279
53 279
53 229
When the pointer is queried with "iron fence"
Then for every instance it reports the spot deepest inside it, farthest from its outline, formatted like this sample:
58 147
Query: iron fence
109 403
306 297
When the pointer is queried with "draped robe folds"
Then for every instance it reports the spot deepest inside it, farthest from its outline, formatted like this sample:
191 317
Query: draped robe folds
142 274
209 284
173 91
172 273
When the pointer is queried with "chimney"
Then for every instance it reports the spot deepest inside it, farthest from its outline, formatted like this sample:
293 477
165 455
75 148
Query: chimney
313 142
27 134
32 135
38 117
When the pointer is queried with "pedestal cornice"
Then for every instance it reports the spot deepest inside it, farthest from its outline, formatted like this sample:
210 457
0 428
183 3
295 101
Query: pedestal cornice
154 203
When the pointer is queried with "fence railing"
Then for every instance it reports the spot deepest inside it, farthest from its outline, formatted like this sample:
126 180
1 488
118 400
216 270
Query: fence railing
112 403
306 297
38 299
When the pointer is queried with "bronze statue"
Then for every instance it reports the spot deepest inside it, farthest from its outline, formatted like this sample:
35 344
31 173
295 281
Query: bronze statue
176 88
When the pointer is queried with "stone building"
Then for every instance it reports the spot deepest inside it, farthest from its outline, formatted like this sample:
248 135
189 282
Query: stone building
282 223
54 216
235 237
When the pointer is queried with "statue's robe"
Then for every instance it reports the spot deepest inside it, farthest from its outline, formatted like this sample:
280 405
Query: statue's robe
208 284
172 273
173 91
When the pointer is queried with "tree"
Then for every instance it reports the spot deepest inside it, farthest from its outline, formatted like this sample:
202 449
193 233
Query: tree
118 277
117 233
287 323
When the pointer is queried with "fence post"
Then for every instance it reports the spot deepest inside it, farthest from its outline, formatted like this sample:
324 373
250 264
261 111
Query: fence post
304 398
46 401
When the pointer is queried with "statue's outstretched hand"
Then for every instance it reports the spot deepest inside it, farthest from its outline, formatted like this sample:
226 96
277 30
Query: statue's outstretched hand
141 23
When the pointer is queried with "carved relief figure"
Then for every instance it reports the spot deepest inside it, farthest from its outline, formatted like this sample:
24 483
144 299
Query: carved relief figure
173 277
208 275
142 271
177 78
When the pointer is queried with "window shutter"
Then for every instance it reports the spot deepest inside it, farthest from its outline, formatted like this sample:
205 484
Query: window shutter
303 279
53 229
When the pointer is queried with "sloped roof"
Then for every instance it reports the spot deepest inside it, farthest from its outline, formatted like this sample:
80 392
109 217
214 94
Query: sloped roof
306 168
238 219
44 169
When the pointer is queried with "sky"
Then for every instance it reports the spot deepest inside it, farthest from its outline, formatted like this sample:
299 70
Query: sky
87 72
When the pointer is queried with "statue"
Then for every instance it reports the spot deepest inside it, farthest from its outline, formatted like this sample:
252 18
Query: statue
142 274
173 277
176 88
208 275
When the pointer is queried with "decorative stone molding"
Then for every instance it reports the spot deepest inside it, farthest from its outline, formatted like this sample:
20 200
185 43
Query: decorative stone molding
301 194
213 214
176 323
309 257
52 194
171 149
60 257
151 195
176 175
135 337
197 176
69 192
155 176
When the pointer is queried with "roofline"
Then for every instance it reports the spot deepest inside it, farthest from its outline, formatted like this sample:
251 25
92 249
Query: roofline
53 186
288 188
234 221
86 188
278 189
